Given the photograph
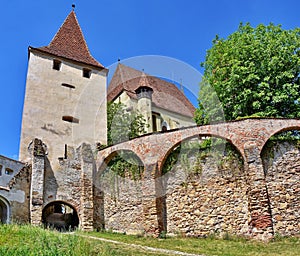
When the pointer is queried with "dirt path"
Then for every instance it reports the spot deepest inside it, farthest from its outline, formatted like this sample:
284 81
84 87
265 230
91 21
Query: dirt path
140 247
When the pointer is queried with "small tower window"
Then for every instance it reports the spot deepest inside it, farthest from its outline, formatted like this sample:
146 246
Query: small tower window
86 72
70 119
8 171
56 64
0 169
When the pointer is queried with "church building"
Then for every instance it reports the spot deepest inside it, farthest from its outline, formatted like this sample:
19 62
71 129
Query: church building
161 103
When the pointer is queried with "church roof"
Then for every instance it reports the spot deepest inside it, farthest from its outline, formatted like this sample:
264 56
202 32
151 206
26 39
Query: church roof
165 95
69 43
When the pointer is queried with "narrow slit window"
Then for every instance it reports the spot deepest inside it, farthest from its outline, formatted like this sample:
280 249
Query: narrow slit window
86 72
154 126
66 151
68 85
70 119
56 64
0 170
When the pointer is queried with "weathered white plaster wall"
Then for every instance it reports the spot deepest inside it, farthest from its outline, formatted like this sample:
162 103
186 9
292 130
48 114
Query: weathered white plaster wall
47 101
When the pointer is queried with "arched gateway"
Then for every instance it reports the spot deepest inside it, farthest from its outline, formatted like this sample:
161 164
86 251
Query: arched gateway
60 215
4 210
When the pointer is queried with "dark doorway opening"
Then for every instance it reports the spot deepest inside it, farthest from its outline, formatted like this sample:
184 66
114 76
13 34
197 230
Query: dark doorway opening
60 216
3 212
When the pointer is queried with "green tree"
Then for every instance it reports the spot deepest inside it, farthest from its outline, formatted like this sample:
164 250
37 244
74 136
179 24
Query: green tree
254 72
123 125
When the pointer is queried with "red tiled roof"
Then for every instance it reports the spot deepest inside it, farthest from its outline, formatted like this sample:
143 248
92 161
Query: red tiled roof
69 43
165 95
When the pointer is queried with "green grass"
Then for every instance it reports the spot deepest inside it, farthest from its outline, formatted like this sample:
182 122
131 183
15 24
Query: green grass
24 240
233 246
28 240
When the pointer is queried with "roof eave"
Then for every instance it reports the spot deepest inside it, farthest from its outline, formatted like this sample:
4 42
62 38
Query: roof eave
191 115
98 67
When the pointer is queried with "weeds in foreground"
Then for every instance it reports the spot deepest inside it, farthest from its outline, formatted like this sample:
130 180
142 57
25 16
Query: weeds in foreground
23 240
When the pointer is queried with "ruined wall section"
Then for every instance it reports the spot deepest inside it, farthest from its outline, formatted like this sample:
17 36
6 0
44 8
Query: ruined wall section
37 181
86 199
282 169
15 197
8 169
72 183
64 185
19 196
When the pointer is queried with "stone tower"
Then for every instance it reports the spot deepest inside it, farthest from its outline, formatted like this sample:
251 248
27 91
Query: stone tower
65 99
144 101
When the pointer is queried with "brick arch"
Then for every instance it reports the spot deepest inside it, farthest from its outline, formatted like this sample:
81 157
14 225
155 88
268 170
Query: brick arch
71 203
162 159
106 154
280 130
109 155
240 134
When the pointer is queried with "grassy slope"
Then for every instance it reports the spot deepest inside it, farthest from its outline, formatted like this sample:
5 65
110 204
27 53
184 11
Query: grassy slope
212 246
28 240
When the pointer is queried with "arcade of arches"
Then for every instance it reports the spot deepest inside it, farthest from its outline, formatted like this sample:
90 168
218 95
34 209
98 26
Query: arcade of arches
218 202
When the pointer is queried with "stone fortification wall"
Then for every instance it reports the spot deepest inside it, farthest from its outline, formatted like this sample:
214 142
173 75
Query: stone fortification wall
123 204
213 201
207 195
217 200
213 198
282 169
19 196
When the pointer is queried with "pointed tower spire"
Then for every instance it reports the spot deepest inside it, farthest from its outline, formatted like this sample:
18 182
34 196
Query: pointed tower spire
144 80
69 43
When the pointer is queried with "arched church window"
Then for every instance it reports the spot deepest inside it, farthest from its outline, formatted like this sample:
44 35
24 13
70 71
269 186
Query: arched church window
165 126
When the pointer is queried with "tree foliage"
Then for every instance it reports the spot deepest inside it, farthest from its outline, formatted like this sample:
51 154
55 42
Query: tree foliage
123 125
127 165
254 72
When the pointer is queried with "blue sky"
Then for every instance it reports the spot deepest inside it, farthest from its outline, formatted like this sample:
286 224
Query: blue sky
121 29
